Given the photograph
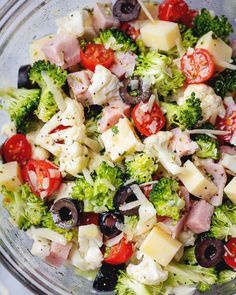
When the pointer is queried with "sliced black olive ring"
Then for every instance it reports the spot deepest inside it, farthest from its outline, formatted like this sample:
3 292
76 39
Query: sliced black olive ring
126 10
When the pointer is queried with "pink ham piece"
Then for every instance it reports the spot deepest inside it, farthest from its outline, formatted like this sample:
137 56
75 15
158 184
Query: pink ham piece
124 64
103 17
185 194
181 144
58 254
199 217
79 83
226 149
63 50
112 113
219 178
230 105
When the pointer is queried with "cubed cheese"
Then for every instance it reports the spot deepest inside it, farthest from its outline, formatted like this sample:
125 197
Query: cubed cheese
196 183
230 190
35 49
160 246
10 175
120 140
90 231
161 35
217 47
229 162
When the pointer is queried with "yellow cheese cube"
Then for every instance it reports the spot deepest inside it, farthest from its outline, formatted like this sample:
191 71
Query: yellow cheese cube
161 35
229 162
10 175
217 47
230 190
160 246
35 49
120 140
196 183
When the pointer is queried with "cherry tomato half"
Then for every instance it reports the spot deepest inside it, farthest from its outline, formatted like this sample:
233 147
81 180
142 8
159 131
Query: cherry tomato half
188 18
197 66
148 123
230 255
96 54
130 31
17 148
42 176
172 10
120 253
228 123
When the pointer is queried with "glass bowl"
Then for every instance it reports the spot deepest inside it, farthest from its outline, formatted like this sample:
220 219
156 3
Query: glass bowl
22 21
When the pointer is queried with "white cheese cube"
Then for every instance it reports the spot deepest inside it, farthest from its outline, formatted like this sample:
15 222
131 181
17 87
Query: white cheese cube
230 190
196 183
217 47
120 140
35 49
161 35
90 231
229 162
160 246
10 175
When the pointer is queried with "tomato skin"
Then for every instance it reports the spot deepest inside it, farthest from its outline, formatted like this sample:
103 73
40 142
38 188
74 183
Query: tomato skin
230 260
17 148
58 128
142 121
42 170
96 54
228 123
197 66
120 253
188 18
172 10
88 218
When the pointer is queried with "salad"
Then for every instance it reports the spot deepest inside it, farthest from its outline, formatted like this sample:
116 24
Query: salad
120 156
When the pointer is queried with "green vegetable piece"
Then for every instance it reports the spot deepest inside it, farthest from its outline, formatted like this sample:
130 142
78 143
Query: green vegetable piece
208 147
226 276
189 256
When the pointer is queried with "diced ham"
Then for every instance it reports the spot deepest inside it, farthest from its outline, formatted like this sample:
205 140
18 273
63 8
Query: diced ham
219 178
103 17
181 143
124 64
230 105
58 254
79 83
226 149
184 193
63 50
112 113
199 217
174 228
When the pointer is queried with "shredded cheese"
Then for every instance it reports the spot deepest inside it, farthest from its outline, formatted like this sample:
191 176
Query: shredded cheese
139 194
207 131
87 176
115 240
130 205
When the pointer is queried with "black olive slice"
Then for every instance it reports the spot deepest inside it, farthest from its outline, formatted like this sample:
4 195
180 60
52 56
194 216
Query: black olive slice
92 111
123 196
23 78
126 10
209 252
132 91
109 223
107 276
65 212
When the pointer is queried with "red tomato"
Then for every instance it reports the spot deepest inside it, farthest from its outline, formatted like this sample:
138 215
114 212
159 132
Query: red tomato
146 190
198 66
96 54
120 253
43 177
88 218
228 123
172 10
230 255
188 18
130 31
58 128
148 123
17 148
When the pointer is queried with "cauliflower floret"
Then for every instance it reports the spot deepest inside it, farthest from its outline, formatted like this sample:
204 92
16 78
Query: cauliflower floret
187 238
72 23
147 272
8 129
38 153
211 104
104 87
64 190
157 145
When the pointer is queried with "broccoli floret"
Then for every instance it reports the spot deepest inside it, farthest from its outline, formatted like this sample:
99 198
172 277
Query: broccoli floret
188 39
128 286
224 221
208 147
160 69
185 116
107 180
20 104
165 197
205 22
141 167
189 256
182 274
57 77
92 128
24 207
116 40
225 82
